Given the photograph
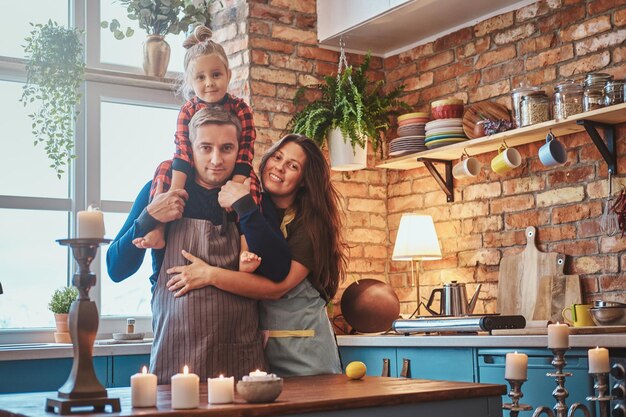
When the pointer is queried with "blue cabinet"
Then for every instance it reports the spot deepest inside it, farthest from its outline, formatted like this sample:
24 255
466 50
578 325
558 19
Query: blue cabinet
450 364
538 389
373 357
125 366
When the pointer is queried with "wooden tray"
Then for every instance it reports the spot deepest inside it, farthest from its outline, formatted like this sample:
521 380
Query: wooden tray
480 111
572 330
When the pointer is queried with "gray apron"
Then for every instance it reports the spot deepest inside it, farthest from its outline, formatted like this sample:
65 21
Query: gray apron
301 339
210 330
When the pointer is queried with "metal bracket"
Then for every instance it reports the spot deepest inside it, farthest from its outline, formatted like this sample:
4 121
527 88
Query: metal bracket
446 185
608 151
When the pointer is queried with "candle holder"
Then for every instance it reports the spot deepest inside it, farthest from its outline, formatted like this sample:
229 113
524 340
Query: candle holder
601 387
560 392
82 388
516 394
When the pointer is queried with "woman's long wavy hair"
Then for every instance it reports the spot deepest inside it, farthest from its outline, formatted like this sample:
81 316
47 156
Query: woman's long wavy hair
317 205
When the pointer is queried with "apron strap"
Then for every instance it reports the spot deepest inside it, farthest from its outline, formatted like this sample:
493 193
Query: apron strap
292 333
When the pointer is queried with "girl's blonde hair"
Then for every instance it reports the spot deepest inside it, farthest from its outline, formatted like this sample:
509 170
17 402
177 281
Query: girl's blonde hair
198 44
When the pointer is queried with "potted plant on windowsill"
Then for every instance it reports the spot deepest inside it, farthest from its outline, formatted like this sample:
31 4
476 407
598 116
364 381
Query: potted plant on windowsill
60 304
352 110
158 18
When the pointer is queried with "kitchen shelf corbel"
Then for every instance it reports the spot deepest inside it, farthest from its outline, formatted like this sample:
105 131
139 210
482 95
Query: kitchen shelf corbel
608 150
447 184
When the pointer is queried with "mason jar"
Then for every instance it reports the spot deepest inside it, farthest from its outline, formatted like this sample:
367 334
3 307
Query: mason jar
567 99
516 99
614 92
534 108
593 95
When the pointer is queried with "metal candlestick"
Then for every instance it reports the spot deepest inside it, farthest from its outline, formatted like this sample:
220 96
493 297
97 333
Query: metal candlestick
82 388
560 393
601 386
516 394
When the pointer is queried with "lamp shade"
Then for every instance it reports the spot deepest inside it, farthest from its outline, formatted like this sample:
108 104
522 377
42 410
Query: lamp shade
417 239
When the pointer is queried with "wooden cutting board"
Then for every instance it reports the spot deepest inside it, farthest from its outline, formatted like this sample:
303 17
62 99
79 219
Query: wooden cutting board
554 293
518 279
572 330
480 111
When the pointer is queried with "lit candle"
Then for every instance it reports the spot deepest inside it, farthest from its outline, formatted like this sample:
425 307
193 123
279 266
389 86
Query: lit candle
558 336
143 388
90 224
598 361
516 366
221 390
185 390
258 373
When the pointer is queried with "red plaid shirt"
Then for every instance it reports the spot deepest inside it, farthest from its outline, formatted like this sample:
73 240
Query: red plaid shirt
183 158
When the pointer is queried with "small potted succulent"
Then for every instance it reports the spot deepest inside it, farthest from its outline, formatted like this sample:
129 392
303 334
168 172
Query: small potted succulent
60 303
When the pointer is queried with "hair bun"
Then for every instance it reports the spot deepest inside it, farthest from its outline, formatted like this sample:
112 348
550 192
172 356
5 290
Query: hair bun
200 34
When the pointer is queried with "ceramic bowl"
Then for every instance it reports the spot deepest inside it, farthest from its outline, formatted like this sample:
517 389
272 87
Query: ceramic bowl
446 109
609 316
260 391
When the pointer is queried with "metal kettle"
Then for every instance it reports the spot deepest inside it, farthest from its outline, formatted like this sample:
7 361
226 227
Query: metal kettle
453 300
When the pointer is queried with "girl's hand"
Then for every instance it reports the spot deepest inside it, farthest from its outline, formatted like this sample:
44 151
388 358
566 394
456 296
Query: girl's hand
233 191
189 277
248 261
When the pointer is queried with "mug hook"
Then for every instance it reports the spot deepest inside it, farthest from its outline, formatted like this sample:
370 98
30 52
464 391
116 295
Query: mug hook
550 136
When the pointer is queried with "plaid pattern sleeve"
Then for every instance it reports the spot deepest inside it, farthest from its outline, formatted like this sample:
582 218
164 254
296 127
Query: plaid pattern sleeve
181 138
163 174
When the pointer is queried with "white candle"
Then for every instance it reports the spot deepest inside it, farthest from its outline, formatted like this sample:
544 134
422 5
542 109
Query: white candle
516 366
221 390
598 361
185 390
258 373
90 224
558 336
143 389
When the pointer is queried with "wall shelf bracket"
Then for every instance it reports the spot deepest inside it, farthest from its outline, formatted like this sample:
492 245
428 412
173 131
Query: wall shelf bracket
608 150
446 184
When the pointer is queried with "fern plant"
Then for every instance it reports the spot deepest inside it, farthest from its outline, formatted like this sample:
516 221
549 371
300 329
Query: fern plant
55 69
351 102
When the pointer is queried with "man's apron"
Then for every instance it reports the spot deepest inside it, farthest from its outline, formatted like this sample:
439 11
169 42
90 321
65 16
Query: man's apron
210 330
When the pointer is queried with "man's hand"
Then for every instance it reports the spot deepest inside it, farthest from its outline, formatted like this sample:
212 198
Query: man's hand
188 277
233 191
169 206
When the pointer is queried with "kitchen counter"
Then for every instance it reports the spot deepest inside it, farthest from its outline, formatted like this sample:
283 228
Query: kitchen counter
322 395
28 351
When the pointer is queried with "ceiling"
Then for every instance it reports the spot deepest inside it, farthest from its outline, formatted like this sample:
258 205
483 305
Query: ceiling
415 22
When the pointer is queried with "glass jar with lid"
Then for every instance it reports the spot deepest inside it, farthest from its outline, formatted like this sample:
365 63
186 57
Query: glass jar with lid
593 96
534 108
567 99
614 91
516 99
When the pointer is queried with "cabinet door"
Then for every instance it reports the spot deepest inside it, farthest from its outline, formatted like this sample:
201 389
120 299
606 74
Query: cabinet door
125 366
43 374
538 389
373 358
450 364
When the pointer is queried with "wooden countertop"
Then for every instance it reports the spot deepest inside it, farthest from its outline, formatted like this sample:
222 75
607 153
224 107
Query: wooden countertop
300 395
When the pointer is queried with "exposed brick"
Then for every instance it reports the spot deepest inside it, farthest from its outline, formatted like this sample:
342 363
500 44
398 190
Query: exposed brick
260 57
531 11
259 28
553 56
419 82
557 233
493 24
272 45
600 6
436 61
469 81
613 283
453 70
480 191
600 42
365 235
522 220
504 239
499 72
261 120
495 57
595 264
537 78
274 105
571 176
399 73
537 44
448 228
441 90
273 75
473 48
575 248
375 251
560 196
467 210
294 35
298 6
306 22
416 53
488 91
589 64
612 244
587 28
619 17
512 204
523 185
619 54
289 62
483 256
263 89
453 39
265 12
514 34
480 225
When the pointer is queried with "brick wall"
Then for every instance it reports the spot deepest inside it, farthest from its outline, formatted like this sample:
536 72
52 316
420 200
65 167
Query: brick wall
540 44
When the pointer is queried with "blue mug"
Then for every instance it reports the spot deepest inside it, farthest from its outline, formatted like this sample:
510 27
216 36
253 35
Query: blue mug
553 152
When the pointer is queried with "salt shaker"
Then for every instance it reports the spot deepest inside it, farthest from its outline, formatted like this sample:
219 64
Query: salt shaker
130 325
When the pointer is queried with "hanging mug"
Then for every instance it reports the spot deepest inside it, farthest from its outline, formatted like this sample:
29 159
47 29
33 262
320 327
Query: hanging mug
506 160
553 152
468 167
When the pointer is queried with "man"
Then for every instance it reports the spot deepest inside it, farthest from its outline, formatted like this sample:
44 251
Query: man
211 331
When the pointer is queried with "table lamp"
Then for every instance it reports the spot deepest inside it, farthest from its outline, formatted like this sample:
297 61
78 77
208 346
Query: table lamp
416 241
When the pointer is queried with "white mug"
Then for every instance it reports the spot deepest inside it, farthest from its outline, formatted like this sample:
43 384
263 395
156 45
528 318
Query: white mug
469 167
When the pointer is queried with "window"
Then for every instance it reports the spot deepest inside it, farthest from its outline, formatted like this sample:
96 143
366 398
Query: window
125 128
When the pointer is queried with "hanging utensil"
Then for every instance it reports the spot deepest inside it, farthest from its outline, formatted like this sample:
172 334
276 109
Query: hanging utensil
609 223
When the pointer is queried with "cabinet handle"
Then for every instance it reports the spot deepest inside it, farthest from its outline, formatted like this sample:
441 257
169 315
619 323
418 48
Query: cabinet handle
406 368
385 367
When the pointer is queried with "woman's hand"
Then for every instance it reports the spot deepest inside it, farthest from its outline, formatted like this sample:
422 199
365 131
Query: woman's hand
189 277
233 191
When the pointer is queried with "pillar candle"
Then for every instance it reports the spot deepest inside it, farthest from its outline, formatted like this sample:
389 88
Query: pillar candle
598 361
143 389
558 336
90 224
185 390
221 390
516 366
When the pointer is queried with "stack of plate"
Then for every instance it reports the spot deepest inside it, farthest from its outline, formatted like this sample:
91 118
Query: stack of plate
442 132
411 132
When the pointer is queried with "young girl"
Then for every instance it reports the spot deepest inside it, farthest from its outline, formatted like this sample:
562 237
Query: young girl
205 81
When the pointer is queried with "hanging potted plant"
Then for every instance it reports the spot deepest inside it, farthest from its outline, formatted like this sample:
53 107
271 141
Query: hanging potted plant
60 304
158 18
352 110
55 69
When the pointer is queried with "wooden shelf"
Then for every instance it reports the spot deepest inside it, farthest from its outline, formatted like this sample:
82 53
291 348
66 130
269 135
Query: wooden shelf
608 115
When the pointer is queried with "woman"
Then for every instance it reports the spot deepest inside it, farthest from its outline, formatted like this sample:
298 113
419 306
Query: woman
296 177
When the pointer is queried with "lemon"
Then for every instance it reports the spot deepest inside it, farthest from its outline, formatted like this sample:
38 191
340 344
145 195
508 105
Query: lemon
356 370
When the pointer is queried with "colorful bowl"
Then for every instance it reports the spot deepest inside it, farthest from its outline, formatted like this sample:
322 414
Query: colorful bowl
446 109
